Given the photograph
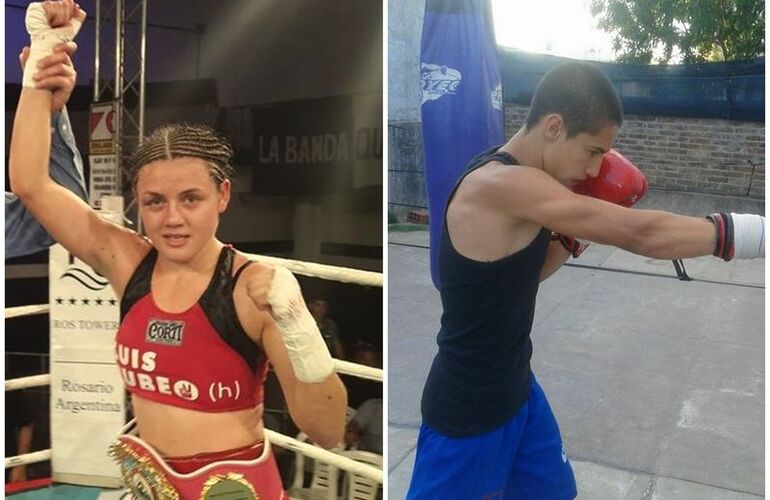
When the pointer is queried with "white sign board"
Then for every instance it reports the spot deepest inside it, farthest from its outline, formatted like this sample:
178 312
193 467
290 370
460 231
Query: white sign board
87 392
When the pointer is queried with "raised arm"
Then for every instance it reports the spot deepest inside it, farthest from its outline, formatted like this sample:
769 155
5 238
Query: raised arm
66 217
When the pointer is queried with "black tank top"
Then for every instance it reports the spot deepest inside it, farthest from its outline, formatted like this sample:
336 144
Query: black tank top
480 376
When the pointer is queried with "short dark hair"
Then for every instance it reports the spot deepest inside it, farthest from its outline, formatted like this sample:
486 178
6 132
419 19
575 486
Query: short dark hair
581 94
179 140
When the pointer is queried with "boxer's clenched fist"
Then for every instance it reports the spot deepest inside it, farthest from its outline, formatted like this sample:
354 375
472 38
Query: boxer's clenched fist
619 181
275 290
258 286
49 24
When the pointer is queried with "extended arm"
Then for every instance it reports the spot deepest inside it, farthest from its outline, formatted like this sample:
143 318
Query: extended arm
532 195
64 215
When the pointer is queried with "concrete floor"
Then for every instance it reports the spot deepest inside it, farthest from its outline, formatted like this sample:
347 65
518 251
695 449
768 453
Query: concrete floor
658 384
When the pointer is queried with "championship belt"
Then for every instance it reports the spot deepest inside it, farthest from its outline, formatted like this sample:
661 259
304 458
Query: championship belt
149 477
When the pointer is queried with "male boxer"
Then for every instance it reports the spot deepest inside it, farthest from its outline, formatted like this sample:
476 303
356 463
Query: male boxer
513 218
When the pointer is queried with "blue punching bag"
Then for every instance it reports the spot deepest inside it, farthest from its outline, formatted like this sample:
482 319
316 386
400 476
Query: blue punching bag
462 105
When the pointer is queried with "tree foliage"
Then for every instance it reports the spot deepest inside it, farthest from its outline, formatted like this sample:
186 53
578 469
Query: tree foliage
648 31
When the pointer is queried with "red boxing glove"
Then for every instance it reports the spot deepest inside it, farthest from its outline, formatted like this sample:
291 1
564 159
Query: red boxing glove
619 181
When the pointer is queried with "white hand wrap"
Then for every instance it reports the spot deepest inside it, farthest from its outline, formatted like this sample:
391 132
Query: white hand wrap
739 236
43 38
307 350
749 236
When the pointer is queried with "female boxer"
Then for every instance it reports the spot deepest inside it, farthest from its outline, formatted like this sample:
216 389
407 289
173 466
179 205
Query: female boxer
199 321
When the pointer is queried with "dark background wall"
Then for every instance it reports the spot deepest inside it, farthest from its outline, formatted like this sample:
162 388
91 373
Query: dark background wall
212 62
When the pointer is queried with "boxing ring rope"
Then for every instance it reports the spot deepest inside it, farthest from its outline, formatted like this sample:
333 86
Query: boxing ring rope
331 273
28 382
342 274
322 455
28 458
17 312
356 370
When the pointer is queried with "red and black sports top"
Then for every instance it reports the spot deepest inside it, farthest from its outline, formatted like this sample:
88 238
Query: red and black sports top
200 359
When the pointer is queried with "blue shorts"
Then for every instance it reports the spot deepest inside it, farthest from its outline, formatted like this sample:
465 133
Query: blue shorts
523 459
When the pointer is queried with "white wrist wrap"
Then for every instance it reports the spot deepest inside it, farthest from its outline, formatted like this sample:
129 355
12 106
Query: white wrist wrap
307 350
43 38
749 236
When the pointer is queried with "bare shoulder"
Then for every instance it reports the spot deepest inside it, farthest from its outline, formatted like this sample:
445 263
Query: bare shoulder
502 184
503 191
485 219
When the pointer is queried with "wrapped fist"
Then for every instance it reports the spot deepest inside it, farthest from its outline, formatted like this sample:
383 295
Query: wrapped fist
275 290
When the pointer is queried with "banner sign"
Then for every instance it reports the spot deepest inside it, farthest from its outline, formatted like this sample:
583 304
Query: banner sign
317 146
103 140
104 178
87 392
462 102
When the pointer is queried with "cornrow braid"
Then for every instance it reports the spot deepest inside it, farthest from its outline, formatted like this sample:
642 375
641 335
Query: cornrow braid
179 140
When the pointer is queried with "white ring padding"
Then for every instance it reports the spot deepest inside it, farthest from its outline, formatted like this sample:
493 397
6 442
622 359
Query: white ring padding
28 458
27 382
333 273
15 312
325 456
360 371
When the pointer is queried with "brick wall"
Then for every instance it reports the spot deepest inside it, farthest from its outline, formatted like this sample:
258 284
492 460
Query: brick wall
688 154
678 154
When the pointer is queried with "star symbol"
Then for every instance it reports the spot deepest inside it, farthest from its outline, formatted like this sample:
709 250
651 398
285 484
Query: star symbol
98 301
59 300
113 302
85 301
73 301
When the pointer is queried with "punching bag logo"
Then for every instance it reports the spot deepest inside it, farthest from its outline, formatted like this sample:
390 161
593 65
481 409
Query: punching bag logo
497 97
438 81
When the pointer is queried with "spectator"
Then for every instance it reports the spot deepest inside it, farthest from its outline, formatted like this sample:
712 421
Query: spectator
364 431
360 390
319 308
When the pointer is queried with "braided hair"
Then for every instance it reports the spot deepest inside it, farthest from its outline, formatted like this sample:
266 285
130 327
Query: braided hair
185 140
